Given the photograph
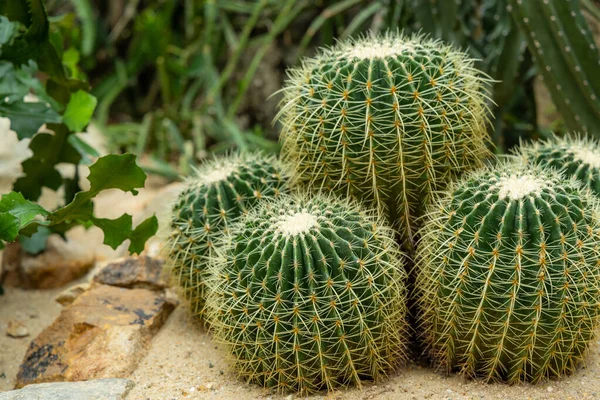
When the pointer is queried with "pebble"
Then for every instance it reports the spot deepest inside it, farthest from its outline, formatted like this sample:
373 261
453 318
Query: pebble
16 329
550 389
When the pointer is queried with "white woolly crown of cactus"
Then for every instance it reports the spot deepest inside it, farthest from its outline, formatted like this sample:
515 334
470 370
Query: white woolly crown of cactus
575 155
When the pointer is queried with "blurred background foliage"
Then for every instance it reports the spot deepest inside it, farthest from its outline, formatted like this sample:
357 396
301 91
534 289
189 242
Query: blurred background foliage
177 80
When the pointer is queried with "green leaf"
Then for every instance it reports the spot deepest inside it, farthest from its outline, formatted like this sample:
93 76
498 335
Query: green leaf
116 172
116 231
27 118
16 212
39 170
109 172
8 30
9 227
142 233
79 110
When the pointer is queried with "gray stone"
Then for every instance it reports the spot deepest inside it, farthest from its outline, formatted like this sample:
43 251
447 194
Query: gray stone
138 272
98 389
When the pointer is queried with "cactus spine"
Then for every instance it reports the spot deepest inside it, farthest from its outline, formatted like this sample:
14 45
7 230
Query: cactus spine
219 192
509 274
575 156
386 119
309 294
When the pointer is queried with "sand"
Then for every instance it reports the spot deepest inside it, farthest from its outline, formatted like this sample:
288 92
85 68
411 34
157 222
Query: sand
184 363
36 309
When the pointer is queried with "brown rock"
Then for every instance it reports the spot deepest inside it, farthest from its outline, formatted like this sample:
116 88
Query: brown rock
16 329
133 272
104 333
61 263
69 295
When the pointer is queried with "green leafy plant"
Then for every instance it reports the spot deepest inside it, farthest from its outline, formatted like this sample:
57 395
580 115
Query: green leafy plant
508 274
386 119
308 293
19 216
218 193
576 156
28 49
179 80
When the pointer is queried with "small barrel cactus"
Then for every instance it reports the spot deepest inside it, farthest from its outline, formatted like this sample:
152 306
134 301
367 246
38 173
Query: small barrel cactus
218 193
386 119
575 156
508 274
309 294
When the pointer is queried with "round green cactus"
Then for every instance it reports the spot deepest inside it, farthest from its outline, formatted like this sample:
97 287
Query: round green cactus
386 119
575 156
218 193
508 274
309 294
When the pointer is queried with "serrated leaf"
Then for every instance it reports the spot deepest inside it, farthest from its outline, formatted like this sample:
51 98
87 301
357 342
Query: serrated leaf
116 231
142 233
116 172
9 227
79 110
39 170
27 118
22 211
109 172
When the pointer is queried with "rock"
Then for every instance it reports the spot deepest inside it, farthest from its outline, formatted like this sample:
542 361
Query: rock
69 295
133 272
99 389
16 329
61 262
103 333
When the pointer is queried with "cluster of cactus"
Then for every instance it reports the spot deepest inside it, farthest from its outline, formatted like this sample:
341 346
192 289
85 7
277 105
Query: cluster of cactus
218 193
308 291
509 274
576 156
387 120
309 294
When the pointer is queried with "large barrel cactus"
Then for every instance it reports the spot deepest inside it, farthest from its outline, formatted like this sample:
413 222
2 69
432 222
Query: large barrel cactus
508 274
309 294
218 193
386 119
575 156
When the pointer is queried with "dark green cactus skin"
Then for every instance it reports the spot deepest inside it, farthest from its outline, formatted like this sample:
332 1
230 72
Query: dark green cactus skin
566 55
309 294
387 120
207 206
576 156
509 286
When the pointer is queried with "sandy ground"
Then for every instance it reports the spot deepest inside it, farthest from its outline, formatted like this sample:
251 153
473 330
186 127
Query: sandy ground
183 363
36 309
